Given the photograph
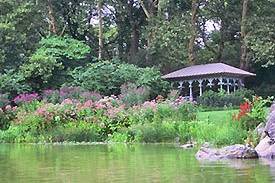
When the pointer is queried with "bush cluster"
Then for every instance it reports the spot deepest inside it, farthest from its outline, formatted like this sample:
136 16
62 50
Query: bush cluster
89 120
222 99
107 77
74 114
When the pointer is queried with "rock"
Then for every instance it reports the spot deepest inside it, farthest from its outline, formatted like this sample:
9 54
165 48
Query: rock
270 124
265 148
230 152
187 146
259 130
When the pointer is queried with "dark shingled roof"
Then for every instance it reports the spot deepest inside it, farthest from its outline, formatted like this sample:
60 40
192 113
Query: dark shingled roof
207 69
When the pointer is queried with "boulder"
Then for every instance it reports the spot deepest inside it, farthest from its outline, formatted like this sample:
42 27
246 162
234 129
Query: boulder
266 147
270 124
259 130
237 151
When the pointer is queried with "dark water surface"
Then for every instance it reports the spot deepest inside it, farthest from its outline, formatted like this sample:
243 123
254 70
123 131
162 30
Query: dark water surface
122 163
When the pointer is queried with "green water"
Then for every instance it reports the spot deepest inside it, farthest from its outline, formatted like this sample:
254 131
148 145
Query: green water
122 163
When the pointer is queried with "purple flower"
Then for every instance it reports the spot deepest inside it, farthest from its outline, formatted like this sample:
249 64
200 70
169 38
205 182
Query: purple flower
26 98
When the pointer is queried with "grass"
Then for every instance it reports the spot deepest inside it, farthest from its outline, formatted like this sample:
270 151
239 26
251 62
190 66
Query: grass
218 128
217 116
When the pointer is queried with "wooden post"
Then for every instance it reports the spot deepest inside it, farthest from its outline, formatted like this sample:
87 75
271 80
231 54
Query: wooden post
210 84
234 84
200 85
228 85
221 82
190 90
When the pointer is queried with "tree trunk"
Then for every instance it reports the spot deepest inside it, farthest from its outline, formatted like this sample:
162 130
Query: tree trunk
100 27
191 45
52 21
221 43
134 41
244 63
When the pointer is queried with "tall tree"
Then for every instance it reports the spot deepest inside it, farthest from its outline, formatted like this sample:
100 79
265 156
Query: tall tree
261 37
100 29
51 16
244 61
194 33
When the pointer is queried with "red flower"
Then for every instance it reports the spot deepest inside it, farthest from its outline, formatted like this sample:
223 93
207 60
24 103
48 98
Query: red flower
245 108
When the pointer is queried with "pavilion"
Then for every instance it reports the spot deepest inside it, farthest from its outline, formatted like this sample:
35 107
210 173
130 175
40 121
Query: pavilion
209 75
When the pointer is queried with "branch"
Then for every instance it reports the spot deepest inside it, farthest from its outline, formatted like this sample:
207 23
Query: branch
144 9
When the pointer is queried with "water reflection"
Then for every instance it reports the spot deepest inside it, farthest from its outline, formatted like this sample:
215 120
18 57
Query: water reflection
122 163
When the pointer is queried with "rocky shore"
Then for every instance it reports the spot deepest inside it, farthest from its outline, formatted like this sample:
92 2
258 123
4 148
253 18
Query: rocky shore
265 148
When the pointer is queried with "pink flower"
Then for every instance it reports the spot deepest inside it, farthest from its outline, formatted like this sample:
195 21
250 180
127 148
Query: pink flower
26 97
67 102
88 104
150 104
8 107
99 105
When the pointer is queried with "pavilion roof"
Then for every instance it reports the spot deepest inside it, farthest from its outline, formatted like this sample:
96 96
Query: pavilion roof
208 70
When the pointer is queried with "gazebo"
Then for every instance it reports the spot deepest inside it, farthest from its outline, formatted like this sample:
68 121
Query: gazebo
209 75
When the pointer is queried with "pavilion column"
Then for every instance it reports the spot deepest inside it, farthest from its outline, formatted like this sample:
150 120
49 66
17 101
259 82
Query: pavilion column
190 90
200 85
180 85
228 85
241 83
221 82
234 84
210 84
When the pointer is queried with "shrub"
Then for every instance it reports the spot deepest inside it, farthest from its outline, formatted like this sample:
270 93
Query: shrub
173 95
25 98
4 100
74 93
75 132
106 77
254 112
164 111
7 114
132 95
119 137
154 132
221 99
187 111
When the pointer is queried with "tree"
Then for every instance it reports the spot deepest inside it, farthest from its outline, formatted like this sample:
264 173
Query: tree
100 29
244 62
20 25
261 37
191 45
49 64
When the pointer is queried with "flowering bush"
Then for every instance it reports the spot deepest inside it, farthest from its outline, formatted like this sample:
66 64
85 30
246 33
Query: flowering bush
76 93
245 108
7 114
132 95
254 112
102 118
26 98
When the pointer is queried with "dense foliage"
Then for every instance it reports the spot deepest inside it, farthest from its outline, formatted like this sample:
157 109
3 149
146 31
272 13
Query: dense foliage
222 99
42 42
107 78
59 58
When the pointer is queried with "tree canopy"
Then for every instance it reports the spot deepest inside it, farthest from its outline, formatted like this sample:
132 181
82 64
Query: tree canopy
44 41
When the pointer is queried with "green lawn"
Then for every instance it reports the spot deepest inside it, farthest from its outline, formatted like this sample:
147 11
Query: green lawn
217 116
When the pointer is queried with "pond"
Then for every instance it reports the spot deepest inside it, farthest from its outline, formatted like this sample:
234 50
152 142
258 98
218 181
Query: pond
122 163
